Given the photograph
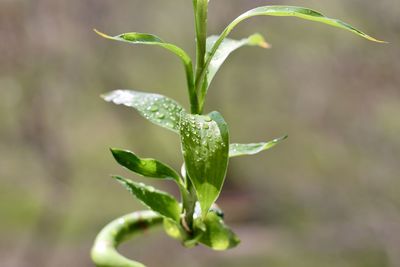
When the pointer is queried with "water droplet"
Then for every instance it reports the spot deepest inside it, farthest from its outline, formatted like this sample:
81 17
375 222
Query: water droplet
207 119
205 126
150 189
160 116
153 108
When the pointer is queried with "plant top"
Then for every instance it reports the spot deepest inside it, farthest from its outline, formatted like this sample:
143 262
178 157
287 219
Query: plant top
205 143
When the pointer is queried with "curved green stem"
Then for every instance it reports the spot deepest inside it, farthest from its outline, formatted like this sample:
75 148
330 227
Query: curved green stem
104 252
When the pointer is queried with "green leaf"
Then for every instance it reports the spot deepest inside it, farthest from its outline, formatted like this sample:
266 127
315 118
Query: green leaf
300 12
145 167
218 236
205 146
150 39
236 150
273 10
158 109
225 49
173 229
159 201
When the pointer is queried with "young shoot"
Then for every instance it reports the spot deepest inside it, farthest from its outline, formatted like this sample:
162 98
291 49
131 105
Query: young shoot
205 143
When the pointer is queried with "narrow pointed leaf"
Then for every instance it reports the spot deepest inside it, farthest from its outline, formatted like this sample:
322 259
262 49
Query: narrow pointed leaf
300 12
150 39
218 235
275 10
236 150
205 146
226 48
158 109
159 201
143 166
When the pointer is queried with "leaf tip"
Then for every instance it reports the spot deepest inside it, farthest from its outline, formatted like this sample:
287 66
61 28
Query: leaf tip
265 45
113 149
108 97
117 178
280 139
259 40
121 180
102 34
376 40
382 42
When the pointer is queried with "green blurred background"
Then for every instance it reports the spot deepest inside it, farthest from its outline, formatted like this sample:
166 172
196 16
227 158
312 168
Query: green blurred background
327 196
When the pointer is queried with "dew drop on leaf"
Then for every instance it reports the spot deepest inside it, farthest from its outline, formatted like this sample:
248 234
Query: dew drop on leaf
150 189
160 116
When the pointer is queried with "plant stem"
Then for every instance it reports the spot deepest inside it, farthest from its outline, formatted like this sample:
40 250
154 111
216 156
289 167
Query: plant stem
189 199
200 13
104 252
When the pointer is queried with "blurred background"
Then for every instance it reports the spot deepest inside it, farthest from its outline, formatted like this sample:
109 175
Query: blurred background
327 196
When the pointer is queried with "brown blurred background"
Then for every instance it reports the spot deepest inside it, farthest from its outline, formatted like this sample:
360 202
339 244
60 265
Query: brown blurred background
328 196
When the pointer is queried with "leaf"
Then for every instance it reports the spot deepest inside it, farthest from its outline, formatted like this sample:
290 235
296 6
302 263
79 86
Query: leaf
236 150
159 201
218 235
150 39
273 10
173 229
145 167
226 48
158 109
205 146
300 12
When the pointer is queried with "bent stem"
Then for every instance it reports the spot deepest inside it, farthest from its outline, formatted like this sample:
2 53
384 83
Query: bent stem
104 252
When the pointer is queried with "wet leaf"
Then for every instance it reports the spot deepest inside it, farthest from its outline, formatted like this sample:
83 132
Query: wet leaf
218 235
300 12
158 109
236 150
205 146
159 201
145 167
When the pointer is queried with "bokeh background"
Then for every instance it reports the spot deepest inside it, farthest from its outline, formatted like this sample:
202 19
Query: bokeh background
327 196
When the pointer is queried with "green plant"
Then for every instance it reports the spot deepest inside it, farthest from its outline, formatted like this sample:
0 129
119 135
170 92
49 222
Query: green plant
204 140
